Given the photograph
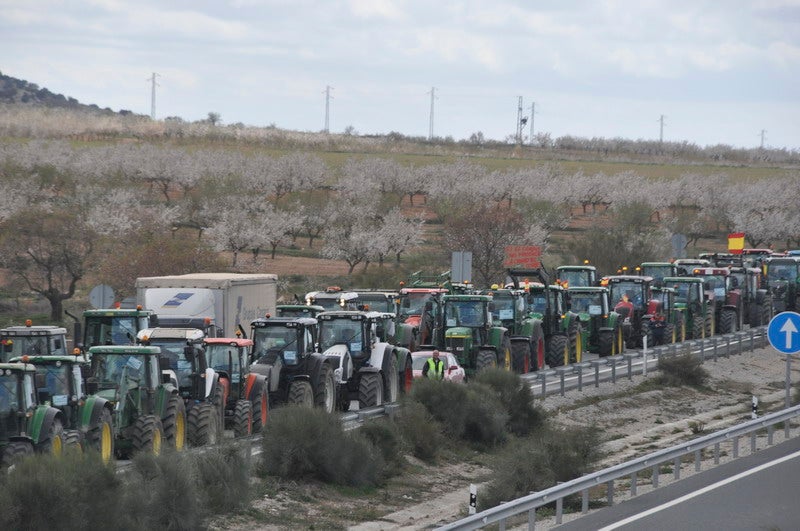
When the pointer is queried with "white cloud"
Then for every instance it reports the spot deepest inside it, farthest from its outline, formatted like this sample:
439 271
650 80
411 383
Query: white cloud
382 9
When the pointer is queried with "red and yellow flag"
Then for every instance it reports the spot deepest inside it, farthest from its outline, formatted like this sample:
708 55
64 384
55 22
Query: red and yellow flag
736 242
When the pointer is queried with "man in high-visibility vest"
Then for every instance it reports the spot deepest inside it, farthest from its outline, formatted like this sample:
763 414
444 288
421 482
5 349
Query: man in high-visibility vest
434 367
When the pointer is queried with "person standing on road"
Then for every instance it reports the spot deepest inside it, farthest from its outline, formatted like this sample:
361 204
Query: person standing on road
434 367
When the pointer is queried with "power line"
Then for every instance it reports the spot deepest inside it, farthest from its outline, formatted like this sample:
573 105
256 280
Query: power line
153 85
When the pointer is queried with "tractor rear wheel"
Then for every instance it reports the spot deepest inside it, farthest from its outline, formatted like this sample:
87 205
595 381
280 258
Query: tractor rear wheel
647 332
325 390
72 441
709 325
537 353
620 342
148 434
486 359
370 390
203 424
407 376
607 343
390 382
576 344
243 418
669 336
175 423
521 356
558 351
727 321
698 327
16 451
261 409
301 394
54 444
101 435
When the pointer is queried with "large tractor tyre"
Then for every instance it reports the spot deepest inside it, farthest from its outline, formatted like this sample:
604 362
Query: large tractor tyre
260 409
16 451
370 390
647 332
576 345
709 325
619 344
766 311
558 351
504 356
538 354
669 334
727 321
325 390
148 435
754 313
219 405
521 356
486 359
607 343
72 441
342 398
407 377
54 443
390 382
301 394
203 424
174 423
698 327
101 436
243 418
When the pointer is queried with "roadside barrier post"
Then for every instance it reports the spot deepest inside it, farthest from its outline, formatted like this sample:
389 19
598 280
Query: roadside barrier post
644 355
473 498
754 414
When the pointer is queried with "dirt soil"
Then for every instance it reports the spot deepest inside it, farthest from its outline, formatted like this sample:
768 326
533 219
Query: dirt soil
635 419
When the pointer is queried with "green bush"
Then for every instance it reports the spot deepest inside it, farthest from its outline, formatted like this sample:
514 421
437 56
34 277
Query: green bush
384 435
540 461
223 473
470 413
76 491
516 397
421 433
308 443
685 369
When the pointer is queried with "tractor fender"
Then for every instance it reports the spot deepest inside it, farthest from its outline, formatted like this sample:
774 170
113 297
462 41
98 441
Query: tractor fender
379 354
496 335
169 376
163 395
368 368
43 418
254 382
731 307
606 329
211 381
315 363
92 410
341 362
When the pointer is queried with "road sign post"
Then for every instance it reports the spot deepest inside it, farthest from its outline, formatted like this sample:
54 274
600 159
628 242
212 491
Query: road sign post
783 333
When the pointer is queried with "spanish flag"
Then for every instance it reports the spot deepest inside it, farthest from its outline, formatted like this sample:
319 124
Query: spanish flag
736 242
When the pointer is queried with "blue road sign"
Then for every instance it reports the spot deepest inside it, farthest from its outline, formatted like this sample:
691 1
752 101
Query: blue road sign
784 332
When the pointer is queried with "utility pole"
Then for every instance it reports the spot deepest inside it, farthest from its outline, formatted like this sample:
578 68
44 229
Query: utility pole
661 134
153 85
762 137
519 121
328 98
430 125
533 112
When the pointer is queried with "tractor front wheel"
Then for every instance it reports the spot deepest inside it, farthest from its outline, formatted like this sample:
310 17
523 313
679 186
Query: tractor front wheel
101 436
16 451
261 409
558 351
487 359
325 390
175 423
301 394
54 444
203 423
370 390
521 356
148 434
243 419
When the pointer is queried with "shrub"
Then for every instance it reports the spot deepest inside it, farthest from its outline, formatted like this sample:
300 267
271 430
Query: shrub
223 474
384 435
516 397
308 443
420 432
685 369
470 413
77 490
540 461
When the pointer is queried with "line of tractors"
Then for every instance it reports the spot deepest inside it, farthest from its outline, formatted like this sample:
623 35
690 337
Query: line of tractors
128 385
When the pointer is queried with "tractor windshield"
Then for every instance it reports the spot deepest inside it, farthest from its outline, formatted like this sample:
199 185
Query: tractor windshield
464 313
634 291
413 303
341 331
110 330
52 383
112 371
537 300
658 272
174 351
590 302
377 302
662 296
503 307
784 272
15 346
9 392
276 341
715 283
224 358
686 292
575 278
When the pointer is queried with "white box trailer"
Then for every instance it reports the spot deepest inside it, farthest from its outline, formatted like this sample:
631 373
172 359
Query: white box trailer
228 299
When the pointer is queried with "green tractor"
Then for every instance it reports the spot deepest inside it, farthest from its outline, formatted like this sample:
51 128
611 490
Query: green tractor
724 290
630 295
87 420
31 340
783 282
668 322
27 426
147 412
464 327
562 329
576 276
115 326
698 309
602 332
510 310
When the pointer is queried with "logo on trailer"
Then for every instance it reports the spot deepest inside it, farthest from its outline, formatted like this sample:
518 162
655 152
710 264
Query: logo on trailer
177 300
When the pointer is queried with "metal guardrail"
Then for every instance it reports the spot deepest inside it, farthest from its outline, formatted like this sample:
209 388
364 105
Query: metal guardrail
711 348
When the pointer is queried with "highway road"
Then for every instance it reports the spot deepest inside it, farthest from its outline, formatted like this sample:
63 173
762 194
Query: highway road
757 492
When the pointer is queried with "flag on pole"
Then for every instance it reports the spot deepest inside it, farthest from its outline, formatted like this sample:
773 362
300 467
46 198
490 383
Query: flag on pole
736 242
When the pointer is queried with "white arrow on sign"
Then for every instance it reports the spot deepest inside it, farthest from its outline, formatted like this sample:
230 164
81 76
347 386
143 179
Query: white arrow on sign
789 328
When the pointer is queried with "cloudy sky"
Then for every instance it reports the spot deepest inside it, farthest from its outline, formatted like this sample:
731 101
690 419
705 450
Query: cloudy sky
718 71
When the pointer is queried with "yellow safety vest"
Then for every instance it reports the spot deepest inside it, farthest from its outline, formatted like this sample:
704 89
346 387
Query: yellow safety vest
435 370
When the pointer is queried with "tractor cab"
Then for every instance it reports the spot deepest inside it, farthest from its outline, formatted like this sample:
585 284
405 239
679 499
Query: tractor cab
32 340
332 298
576 275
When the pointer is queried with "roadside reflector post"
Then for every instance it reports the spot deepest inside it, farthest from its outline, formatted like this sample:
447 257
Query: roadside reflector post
644 355
473 498
754 402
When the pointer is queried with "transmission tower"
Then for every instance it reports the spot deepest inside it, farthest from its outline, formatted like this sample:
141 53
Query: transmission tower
430 126
153 85
661 133
763 131
533 113
520 121
328 99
